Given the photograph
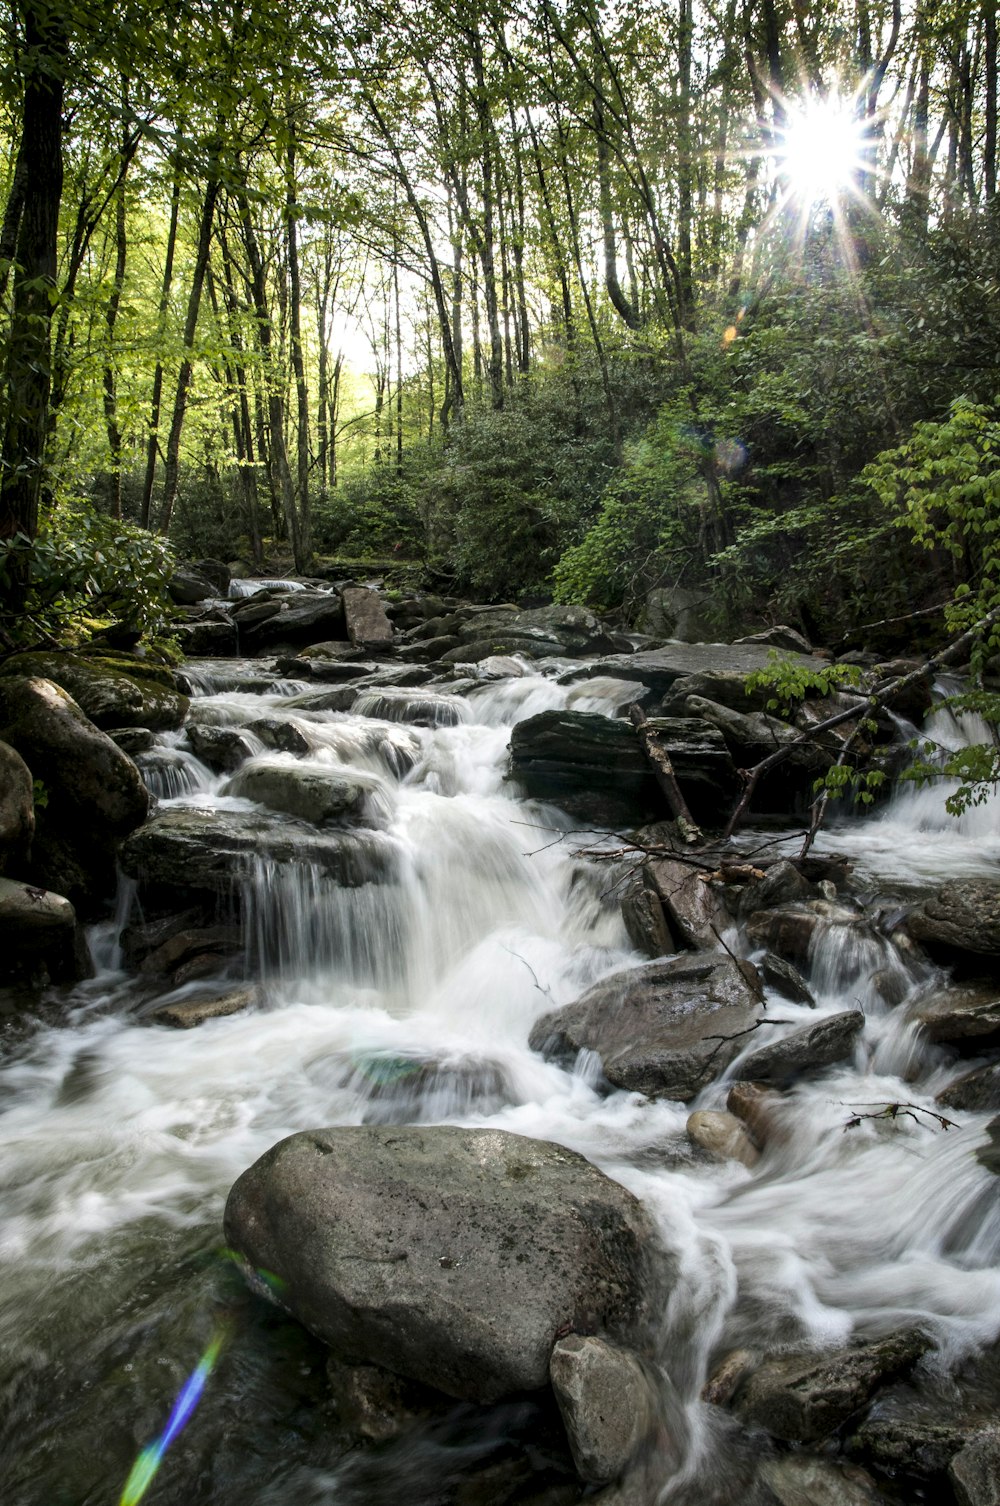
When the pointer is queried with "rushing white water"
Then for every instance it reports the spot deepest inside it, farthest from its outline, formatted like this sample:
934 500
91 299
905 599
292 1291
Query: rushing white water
413 1000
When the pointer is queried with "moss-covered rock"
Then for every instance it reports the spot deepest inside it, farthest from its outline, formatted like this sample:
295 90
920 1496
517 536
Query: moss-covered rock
113 689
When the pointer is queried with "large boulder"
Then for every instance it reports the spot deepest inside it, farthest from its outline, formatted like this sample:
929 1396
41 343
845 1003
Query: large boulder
608 1402
806 1050
666 1029
963 916
455 1257
208 850
93 792
17 807
964 1014
299 617
112 689
365 618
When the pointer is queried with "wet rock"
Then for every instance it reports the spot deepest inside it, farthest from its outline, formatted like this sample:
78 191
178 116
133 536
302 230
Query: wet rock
974 1471
139 938
909 1446
804 1051
694 909
978 1090
964 1014
420 1090
211 638
301 617
188 586
532 643
279 733
17 807
785 979
94 792
373 1405
186 1014
207 850
579 756
792 932
700 758
645 921
500 667
607 1402
317 795
132 740
112 690
988 1155
782 884
182 945
664 1029
223 749
40 941
805 1480
781 636
757 1106
451 1256
660 668
728 1376
419 708
723 1135
961 917
432 650
365 618
327 671
803 1397
719 687
217 571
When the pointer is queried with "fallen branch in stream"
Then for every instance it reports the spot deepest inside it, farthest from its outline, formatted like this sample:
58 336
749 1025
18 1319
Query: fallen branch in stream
658 759
893 1111
859 712
736 1035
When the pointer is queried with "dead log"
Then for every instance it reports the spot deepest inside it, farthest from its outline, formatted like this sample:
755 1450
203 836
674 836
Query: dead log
663 771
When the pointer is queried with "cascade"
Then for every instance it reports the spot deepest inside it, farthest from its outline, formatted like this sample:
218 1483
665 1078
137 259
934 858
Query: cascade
409 999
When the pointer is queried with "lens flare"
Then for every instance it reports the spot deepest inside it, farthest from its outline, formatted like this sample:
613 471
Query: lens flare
822 147
151 1457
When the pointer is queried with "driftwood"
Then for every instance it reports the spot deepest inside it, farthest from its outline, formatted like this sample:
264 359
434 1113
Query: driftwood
663 771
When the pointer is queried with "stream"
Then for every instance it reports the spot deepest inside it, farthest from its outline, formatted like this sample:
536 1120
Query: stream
412 1001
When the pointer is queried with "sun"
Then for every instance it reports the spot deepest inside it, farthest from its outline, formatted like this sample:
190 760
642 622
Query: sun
821 148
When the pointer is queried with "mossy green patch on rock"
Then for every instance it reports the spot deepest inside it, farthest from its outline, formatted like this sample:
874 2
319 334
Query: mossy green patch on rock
113 689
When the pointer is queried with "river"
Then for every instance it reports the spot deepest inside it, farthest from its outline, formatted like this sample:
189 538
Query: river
413 1002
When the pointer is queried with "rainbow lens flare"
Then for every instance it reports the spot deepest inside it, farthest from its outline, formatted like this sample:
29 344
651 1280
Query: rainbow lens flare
149 1461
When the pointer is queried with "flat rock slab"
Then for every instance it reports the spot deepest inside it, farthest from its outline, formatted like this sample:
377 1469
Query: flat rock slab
804 1397
454 1257
185 1014
966 1014
364 616
665 1029
195 849
660 667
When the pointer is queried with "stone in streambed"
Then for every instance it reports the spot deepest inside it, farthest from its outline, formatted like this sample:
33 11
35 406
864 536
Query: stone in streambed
454 1257
112 689
365 618
803 1397
961 917
608 1405
974 1472
665 1029
317 795
40 941
806 1480
724 1136
807 1050
978 1090
965 1014
186 1014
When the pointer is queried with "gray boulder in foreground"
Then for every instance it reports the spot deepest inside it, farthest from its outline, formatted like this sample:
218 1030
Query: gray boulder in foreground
455 1257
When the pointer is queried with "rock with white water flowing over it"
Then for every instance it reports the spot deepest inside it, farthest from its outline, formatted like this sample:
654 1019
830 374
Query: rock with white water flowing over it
804 1051
314 794
961 917
804 1397
203 850
185 1014
456 1257
665 1029
608 1404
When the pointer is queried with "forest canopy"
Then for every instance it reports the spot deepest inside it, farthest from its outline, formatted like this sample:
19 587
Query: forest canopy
564 298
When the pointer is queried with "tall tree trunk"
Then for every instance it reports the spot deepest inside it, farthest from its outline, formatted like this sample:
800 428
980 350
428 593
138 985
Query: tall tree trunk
304 556
171 467
990 132
26 370
156 399
110 320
